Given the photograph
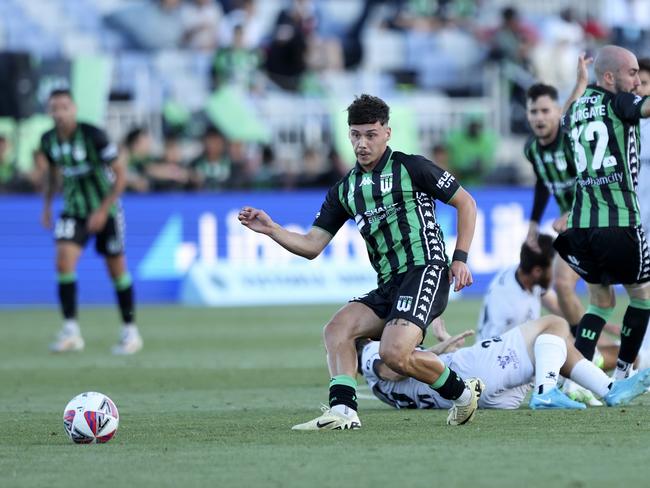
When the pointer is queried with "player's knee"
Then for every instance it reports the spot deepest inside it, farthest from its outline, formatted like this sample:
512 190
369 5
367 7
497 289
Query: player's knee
336 331
564 285
557 326
394 357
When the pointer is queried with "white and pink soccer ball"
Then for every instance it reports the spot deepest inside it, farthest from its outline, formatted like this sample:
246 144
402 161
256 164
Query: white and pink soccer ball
90 417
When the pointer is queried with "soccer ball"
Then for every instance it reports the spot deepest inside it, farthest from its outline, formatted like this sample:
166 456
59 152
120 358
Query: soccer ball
90 417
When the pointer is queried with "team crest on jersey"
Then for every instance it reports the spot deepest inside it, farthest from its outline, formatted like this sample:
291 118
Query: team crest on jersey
404 303
509 359
79 152
386 183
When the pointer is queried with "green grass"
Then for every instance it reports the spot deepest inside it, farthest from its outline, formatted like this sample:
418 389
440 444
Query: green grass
211 398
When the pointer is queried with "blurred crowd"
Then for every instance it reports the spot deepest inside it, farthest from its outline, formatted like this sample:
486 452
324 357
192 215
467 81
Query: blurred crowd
447 42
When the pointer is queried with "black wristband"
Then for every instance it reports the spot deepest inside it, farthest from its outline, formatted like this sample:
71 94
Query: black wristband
459 256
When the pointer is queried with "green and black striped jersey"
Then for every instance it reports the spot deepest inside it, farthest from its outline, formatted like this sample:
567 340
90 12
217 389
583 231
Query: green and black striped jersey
555 172
84 161
604 129
394 209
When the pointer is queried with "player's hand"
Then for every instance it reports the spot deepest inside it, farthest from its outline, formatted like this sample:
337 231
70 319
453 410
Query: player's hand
560 224
583 69
452 343
439 330
532 236
256 220
46 218
97 221
460 275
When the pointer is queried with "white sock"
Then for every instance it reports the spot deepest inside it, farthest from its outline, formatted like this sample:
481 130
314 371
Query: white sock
71 327
464 398
343 409
591 377
622 370
550 354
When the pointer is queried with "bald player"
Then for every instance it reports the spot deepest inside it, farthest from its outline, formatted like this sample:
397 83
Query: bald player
604 241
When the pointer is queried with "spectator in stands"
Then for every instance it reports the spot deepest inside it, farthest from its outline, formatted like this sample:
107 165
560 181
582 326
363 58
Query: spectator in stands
211 170
150 25
471 150
629 21
440 156
201 20
236 64
138 144
169 174
286 61
244 15
513 39
13 180
265 177
563 40
242 165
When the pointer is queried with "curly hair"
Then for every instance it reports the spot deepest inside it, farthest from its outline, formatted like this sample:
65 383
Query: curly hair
367 109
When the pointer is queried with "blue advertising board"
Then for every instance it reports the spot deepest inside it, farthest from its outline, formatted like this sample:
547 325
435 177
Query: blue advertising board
172 237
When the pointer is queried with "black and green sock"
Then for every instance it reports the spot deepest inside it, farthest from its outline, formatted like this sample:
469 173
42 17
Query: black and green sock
68 295
343 391
124 291
635 323
449 385
589 329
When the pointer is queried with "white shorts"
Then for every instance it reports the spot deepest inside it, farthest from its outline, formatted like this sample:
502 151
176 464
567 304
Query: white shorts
502 363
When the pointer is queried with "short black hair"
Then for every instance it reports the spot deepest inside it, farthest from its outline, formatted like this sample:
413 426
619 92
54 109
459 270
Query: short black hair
644 64
212 130
528 258
60 92
539 90
133 135
368 109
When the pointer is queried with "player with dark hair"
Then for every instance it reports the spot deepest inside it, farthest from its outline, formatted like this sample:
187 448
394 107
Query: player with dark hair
517 293
550 152
391 197
605 243
93 176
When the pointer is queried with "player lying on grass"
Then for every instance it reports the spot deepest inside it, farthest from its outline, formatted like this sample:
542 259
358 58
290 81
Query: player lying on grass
538 350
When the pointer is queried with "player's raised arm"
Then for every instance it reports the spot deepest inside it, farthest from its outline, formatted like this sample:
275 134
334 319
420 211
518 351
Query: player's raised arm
307 245
465 222
582 80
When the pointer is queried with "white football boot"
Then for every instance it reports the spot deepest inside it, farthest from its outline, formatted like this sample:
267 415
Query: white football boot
464 414
130 341
67 341
331 420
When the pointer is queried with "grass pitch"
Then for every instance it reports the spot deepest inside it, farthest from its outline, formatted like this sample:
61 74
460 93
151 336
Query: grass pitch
211 399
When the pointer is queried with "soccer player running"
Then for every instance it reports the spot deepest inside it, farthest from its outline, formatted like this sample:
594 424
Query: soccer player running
550 152
538 350
604 242
391 196
93 178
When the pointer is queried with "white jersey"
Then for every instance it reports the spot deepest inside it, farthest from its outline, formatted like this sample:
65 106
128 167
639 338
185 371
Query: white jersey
501 362
643 185
507 304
